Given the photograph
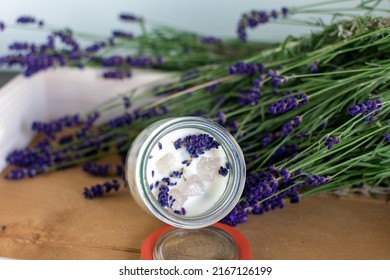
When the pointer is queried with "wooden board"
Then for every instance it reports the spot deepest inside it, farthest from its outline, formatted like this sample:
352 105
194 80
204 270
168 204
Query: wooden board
48 218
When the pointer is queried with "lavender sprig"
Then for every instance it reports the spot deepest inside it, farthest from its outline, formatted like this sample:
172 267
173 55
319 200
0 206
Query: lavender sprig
99 190
196 144
96 169
369 108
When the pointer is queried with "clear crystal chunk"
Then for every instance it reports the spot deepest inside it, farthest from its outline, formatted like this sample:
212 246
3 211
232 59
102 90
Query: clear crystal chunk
179 198
207 167
192 186
164 164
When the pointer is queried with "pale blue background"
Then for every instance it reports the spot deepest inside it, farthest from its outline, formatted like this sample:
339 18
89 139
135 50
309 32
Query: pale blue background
210 17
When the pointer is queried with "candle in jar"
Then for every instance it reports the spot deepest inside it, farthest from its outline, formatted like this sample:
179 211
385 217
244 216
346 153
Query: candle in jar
187 171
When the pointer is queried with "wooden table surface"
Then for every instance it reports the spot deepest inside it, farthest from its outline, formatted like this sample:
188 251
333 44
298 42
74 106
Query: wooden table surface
48 218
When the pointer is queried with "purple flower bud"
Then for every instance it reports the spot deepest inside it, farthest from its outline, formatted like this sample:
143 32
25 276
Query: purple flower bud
95 47
101 189
121 121
370 108
117 74
329 141
250 97
129 17
314 67
288 104
223 171
256 18
288 127
210 40
245 68
122 34
96 169
19 46
31 171
25 19
285 11
196 145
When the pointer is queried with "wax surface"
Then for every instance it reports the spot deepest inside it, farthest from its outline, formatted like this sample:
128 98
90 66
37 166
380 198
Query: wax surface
200 186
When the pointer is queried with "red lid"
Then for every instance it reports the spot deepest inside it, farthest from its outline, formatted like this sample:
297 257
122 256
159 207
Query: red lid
244 252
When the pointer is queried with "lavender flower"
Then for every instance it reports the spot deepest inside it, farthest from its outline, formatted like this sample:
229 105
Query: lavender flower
288 127
238 215
186 162
101 170
255 18
267 139
67 39
25 20
111 61
182 211
197 144
314 67
142 61
30 172
257 84
221 118
121 121
212 87
285 11
285 174
95 47
101 189
287 104
285 151
149 113
241 68
87 124
276 78
122 34
250 97
2 26
241 28
265 190
315 180
66 139
55 126
370 108
28 157
160 60
223 171
117 74
176 174
19 46
163 196
129 17
330 141
126 102
387 137
210 40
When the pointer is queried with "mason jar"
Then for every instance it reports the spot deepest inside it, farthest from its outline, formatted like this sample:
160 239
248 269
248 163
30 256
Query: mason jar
189 172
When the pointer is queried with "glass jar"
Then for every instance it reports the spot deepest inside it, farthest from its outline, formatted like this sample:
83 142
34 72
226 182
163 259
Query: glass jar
211 181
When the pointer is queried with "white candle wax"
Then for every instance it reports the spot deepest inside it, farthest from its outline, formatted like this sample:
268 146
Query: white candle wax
199 187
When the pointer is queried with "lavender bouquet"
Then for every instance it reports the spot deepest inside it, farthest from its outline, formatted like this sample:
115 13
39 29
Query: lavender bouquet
312 114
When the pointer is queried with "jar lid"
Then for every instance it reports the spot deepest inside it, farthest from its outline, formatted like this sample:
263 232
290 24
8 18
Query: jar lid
218 241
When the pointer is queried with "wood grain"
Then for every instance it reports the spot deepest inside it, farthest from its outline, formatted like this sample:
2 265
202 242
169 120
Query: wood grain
48 218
